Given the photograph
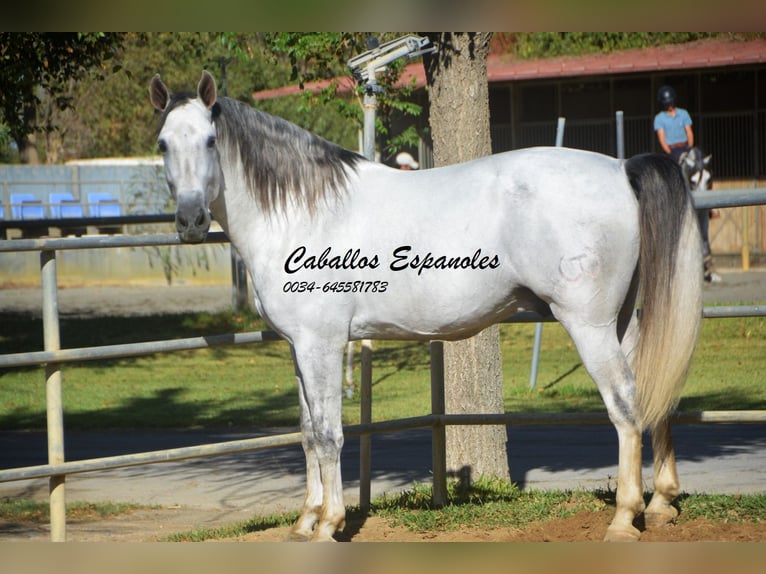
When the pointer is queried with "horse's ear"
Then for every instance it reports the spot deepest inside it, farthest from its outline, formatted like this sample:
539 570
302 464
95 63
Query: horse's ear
159 93
707 160
688 159
206 90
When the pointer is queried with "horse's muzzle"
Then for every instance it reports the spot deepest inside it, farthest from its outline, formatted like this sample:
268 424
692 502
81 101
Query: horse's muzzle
192 224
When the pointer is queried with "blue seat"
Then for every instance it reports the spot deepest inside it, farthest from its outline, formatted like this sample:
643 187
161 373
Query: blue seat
102 204
109 208
26 206
64 205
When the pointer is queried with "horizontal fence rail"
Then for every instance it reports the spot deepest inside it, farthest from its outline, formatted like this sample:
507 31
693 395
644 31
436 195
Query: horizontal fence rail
729 198
145 348
101 242
95 221
134 349
53 357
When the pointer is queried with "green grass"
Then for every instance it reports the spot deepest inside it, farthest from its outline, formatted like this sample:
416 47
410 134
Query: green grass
26 510
489 504
253 386
485 504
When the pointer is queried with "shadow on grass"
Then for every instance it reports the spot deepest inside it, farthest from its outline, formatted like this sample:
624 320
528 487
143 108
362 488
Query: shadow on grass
21 332
562 377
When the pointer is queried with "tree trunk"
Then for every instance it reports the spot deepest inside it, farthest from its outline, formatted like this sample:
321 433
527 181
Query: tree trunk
27 142
28 150
459 119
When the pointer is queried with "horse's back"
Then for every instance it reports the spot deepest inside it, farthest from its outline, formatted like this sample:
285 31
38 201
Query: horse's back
548 175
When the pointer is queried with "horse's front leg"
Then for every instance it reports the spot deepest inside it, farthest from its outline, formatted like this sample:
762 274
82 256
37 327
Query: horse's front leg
319 373
303 529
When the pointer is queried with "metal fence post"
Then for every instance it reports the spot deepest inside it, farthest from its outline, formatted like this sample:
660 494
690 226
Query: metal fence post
620 135
365 441
745 211
52 342
560 125
365 390
439 435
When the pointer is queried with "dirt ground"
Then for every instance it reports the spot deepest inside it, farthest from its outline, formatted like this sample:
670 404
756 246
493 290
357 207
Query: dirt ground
587 527
582 527
153 525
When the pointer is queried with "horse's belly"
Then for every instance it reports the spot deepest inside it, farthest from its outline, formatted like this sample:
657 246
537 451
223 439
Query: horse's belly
438 316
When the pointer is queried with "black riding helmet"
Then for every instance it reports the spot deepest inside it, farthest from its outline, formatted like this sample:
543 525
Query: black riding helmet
666 96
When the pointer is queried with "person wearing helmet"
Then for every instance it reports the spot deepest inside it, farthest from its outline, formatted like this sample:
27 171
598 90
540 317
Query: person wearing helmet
673 125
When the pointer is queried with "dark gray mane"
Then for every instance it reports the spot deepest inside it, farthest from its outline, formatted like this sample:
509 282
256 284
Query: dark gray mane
282 161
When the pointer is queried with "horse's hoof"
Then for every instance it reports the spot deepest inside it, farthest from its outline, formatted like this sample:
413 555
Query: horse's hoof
660 519
295 536
324 533
618 534
320 537
323 539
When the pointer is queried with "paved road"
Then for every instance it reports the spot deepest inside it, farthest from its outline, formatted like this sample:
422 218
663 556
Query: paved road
712 458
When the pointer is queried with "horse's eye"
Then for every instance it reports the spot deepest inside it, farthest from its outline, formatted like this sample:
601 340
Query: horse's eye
162 146
211 142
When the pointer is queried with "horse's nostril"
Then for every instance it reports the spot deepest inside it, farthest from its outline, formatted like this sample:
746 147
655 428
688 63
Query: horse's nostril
200 221
182 221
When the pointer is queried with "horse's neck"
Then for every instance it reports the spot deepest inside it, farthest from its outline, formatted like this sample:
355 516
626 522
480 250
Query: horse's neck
237 212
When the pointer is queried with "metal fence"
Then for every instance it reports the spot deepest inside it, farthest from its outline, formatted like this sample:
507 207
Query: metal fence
53 357
736 139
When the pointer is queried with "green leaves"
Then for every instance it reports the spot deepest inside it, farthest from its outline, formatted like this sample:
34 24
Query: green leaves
323 55
552 44
44 63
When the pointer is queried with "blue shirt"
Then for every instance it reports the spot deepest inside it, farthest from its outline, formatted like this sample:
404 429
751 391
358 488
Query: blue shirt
674 126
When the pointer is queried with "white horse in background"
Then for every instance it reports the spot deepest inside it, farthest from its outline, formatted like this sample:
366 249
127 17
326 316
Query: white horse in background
695 166
340 248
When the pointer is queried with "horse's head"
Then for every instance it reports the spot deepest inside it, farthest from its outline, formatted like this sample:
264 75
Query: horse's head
696 168
187 142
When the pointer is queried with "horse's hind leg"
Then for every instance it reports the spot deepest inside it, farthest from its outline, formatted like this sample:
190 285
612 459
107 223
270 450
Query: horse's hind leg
607 364
666 484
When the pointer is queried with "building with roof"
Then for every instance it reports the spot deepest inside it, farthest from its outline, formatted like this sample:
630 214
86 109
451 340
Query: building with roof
722 83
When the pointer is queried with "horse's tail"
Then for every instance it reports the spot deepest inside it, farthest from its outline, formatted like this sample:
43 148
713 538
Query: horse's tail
670 285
